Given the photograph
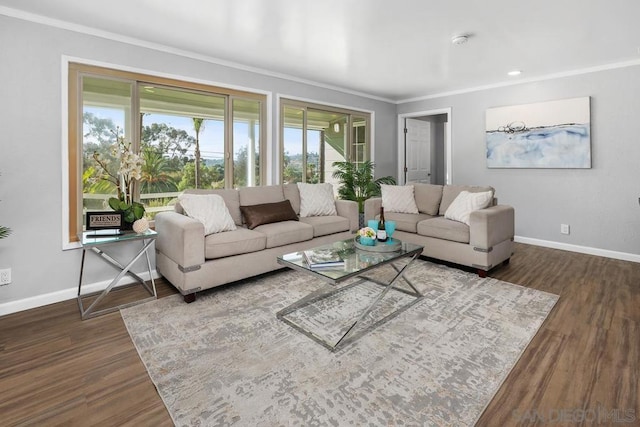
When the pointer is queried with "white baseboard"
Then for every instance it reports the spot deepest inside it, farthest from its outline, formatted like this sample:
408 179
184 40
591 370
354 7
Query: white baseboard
580 249
65 294
71 293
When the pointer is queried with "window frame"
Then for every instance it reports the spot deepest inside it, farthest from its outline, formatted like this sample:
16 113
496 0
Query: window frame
73 129
305 105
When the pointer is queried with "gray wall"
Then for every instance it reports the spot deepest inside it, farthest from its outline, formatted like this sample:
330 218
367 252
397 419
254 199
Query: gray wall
31 159
600 204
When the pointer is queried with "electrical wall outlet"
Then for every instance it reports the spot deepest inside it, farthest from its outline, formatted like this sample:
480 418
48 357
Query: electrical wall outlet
564 228
5 276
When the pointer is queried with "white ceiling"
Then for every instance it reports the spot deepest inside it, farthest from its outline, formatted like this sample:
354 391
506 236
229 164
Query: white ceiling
391 49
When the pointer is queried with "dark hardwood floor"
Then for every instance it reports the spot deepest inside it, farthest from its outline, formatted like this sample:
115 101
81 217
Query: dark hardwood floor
583 365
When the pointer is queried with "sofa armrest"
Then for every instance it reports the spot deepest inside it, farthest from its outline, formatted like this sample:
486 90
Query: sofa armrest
349 210
372 208
490 226
180 238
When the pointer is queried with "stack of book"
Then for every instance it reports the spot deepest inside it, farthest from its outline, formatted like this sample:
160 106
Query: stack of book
323 258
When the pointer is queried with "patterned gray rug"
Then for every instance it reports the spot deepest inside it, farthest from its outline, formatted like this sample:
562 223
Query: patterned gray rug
226 360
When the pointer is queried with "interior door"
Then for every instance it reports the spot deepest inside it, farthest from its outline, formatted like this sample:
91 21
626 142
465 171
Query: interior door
417 140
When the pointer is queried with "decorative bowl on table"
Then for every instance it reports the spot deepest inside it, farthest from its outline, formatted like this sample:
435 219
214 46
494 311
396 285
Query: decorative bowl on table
367 241
391 245
366 236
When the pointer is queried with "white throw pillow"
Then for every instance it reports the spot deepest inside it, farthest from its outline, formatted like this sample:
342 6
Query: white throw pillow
316 200
398 198
210 210
465 203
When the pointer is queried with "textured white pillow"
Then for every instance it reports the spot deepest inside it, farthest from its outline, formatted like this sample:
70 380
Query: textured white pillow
316 200
465 203
398 198
210 210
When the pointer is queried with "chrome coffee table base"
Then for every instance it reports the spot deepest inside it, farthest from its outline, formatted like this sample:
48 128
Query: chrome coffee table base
354 332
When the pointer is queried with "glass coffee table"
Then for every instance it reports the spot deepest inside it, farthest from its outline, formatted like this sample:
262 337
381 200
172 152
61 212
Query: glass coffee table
365 292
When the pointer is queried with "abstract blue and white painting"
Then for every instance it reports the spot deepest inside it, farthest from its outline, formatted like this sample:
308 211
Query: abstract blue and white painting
553 134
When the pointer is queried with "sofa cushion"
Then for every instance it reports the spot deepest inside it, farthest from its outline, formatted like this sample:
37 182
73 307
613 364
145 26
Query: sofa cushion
404 221
445 229
231 199
292 194
316 199
428 197
460 209
210 210
266 213
450 192
239 241
259 195
398 198
324 225
285 232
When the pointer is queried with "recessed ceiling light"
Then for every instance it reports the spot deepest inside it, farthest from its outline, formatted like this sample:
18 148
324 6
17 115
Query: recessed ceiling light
460 39
514 73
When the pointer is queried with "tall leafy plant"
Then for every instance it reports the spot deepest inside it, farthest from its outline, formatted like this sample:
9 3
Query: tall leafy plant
357 182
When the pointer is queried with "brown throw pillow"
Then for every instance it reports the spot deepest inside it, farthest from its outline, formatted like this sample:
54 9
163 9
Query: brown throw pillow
266 213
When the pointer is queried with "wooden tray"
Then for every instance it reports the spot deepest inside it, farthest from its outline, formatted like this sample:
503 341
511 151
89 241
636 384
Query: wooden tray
391 245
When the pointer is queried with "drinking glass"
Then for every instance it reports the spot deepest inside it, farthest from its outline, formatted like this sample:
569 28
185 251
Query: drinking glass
390 227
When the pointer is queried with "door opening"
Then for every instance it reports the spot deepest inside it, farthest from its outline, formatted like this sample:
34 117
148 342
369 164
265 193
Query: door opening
424 147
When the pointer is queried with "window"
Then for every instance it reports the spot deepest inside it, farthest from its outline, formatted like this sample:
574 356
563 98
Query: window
314 136
189 135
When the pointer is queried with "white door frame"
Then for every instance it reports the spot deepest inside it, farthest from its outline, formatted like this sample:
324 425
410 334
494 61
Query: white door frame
447 141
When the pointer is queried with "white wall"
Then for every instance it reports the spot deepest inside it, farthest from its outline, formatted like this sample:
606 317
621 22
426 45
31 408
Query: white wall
600 204
31 156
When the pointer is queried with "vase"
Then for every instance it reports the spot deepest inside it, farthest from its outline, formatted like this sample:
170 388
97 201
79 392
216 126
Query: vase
127 226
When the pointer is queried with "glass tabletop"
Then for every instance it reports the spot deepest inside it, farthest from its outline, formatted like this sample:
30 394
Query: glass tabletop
104 237
355 261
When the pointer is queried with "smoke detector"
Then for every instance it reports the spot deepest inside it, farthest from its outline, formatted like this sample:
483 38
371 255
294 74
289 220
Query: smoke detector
460 39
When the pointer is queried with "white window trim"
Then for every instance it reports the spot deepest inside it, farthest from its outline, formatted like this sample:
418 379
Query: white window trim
66 60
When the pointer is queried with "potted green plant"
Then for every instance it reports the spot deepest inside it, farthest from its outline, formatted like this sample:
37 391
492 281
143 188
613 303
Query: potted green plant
4 231
358 184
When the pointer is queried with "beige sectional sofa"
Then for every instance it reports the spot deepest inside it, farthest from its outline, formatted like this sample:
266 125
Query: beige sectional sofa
193 262
483 244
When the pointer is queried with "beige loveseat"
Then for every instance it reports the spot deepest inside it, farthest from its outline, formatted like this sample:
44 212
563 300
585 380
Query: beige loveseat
193 262
483 244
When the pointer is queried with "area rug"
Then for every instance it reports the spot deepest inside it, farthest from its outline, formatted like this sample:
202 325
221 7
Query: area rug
227 360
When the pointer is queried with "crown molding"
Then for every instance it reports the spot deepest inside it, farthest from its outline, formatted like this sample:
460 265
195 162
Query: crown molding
39 19
64 25
553 76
